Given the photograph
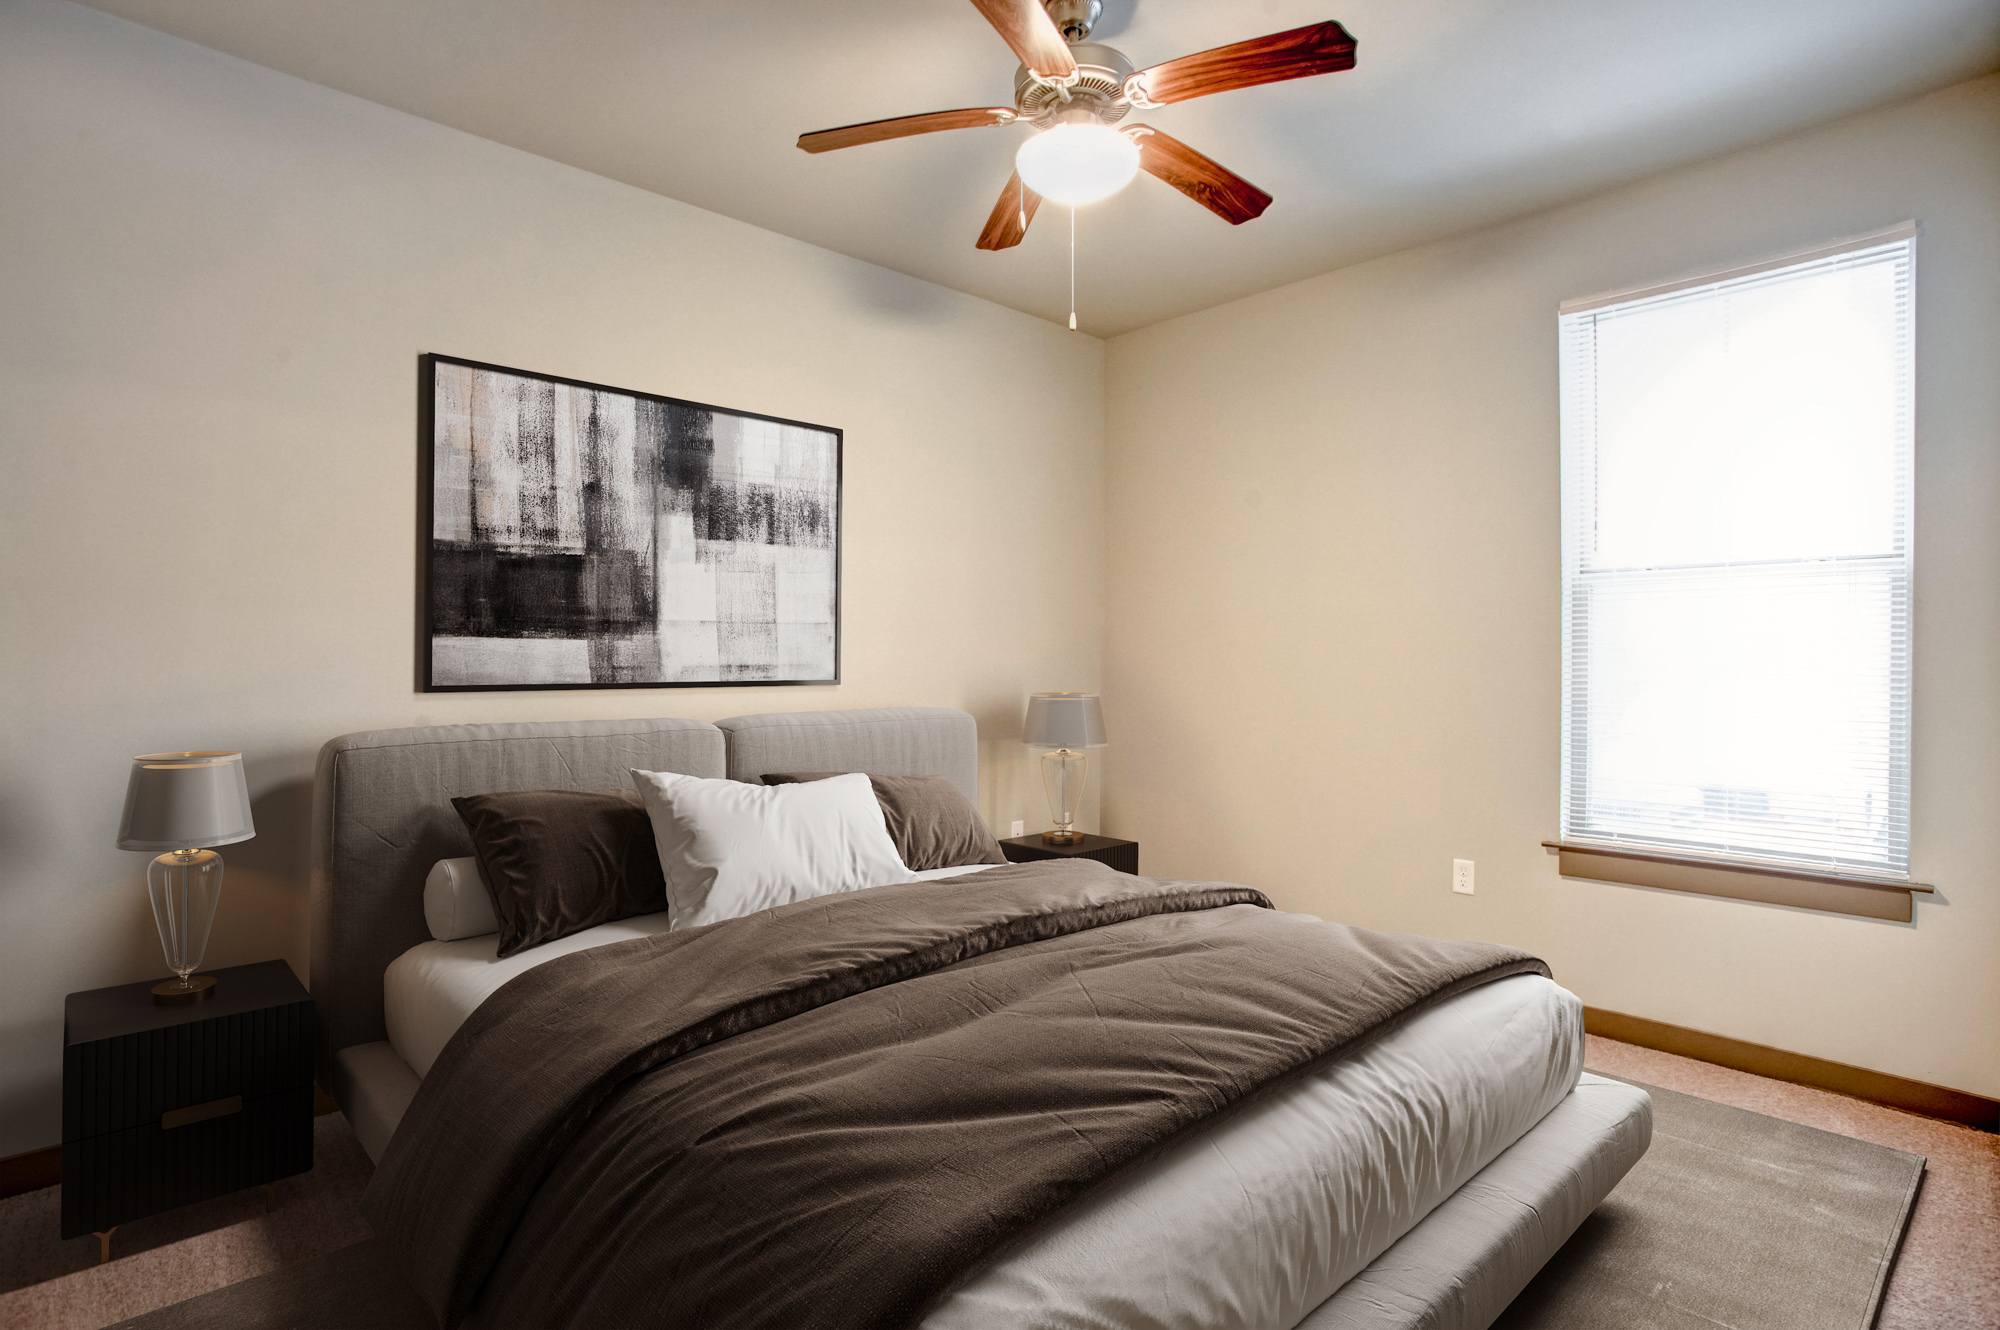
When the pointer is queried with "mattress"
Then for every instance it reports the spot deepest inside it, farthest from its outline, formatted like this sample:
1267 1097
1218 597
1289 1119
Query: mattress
1251 1223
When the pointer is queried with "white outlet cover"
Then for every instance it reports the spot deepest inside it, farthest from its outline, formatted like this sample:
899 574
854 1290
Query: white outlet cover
1461 876
1020 829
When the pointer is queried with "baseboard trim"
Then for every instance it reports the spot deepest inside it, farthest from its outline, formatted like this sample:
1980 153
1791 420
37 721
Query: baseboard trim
36 1169
31 1171
1877 1087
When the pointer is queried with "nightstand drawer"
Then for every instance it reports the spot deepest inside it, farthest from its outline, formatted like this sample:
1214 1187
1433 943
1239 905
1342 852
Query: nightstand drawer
133 1079
124 1175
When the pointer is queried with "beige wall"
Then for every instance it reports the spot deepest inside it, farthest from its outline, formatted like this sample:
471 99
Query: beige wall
1333 571
215 282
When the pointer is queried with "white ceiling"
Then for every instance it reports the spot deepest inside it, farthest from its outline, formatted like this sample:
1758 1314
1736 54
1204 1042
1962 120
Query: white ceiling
1459 113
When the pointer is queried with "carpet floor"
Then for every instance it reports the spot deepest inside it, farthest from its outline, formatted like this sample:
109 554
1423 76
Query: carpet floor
1731 1219
298 1265
47 1283
1947 1276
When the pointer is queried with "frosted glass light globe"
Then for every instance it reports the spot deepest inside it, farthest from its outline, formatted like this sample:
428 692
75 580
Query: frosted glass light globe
1077 163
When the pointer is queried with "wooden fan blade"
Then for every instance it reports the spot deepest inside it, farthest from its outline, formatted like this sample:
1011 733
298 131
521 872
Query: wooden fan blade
1322 48
874 131
1027 27
1212 185
1011 215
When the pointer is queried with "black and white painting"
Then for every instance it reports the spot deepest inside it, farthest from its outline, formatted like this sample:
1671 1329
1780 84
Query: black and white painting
590 537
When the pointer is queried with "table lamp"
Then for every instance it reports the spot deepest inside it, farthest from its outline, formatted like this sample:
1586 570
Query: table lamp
185 804
1064 723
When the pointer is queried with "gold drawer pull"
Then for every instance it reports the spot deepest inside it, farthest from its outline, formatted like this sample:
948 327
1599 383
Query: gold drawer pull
214 1108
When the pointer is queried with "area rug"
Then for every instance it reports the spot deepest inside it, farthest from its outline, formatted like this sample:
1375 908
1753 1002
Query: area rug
1732 1219
1736 1220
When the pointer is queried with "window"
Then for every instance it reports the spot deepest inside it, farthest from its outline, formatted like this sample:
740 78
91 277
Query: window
1736 565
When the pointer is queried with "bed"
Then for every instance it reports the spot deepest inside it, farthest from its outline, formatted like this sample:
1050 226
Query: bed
1420 1180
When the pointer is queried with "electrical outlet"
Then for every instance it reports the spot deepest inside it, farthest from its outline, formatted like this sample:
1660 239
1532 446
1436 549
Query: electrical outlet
1020 829
1461 876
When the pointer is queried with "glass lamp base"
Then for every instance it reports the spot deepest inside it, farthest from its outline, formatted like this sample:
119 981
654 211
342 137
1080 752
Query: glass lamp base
184 886
192 989
1063 774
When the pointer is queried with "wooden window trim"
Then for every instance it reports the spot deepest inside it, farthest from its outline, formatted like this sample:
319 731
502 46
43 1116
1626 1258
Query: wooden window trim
1839 893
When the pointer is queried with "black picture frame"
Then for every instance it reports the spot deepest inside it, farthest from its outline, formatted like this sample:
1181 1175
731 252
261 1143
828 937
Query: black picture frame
432 558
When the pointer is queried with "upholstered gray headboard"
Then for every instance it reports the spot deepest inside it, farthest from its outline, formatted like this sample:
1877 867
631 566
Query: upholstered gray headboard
382 816
382 811
888 741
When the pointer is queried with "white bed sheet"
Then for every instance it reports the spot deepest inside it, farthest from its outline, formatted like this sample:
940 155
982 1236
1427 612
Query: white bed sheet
1249 1225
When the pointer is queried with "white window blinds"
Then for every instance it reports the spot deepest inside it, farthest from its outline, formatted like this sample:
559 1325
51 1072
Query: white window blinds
1736 564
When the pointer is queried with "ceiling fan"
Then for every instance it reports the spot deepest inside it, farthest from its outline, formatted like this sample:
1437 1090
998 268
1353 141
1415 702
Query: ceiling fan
1075 90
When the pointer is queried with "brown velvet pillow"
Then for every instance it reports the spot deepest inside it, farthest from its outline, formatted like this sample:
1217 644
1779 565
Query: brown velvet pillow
560 861
933 825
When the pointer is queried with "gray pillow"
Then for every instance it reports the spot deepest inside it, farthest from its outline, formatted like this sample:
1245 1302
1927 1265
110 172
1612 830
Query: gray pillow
933 825
560 861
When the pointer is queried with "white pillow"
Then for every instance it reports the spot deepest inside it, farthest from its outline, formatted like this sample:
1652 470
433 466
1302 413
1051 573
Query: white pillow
729 849
456 902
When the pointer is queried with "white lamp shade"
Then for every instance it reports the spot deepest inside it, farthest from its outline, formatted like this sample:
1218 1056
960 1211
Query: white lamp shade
1075 164
1064 720
177 801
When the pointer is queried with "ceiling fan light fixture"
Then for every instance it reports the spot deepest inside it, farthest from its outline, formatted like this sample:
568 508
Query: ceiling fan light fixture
1077 162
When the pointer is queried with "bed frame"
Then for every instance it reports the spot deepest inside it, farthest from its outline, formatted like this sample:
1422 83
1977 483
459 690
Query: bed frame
382 816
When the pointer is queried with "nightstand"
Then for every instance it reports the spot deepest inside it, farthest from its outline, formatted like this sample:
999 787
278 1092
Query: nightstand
167 1105
1122 855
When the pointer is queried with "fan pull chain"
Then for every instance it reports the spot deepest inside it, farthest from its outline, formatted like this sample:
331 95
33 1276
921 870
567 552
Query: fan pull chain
1072 268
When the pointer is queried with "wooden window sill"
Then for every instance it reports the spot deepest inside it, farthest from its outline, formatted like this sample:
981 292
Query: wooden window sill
1839 893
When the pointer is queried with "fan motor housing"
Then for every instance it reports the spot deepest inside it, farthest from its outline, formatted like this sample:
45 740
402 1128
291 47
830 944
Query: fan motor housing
1099 88
1074 18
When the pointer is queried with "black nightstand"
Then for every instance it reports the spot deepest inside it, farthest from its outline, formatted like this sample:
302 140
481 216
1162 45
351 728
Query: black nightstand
167 1105
1122 855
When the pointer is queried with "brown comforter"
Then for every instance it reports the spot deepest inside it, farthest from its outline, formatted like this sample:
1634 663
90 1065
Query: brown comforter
828 1113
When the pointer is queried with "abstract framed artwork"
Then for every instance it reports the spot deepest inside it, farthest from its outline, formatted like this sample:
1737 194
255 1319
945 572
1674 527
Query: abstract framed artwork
579 536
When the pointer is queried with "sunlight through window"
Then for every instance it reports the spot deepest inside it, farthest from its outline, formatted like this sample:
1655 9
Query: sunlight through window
1736 564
